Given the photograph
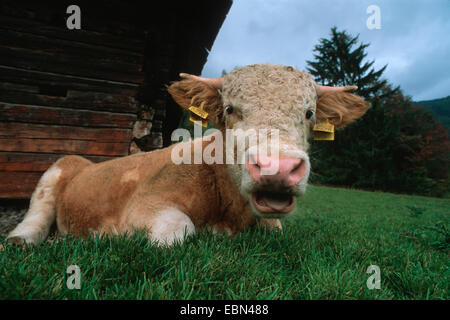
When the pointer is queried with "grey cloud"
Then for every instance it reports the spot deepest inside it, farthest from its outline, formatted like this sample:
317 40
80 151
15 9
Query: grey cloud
413 40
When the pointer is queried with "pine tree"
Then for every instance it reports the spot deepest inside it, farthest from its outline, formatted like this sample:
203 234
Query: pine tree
390 148
338 64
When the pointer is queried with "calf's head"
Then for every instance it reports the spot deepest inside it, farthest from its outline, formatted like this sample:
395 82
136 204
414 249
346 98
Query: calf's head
282 103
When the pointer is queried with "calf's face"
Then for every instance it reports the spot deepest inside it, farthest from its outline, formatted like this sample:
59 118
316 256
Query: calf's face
274 108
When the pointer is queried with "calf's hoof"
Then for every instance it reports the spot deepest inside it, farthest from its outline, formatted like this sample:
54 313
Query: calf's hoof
17 241
271 224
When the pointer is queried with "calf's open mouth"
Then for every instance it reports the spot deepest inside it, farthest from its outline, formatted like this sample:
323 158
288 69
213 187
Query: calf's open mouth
270 202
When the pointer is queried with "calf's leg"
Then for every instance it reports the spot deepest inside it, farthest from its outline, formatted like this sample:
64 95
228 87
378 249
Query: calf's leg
166 226
271 224
41 214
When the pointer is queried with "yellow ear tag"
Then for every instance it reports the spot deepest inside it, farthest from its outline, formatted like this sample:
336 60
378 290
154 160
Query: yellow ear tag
198 114
323 131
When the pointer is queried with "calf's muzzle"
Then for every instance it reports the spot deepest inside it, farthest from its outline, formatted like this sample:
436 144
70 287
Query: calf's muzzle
276 180
282 171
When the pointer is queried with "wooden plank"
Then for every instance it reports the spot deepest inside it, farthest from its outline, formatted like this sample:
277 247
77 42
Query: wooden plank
37 78
38 131
36 162
18 87
82 59
14 39
20 172
60 146
125 42
86 100
18 184
114 17
71 65
60 116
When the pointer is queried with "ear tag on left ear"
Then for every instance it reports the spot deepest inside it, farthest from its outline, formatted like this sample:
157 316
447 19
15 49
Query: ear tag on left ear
323 130
198 114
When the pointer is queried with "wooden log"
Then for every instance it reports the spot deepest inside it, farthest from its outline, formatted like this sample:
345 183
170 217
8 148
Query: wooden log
25 137
36 162
60 146
38 131
15 39
71 65
79 59
39 79
5 86
113 17
125 42
87 100
18 184
61 116
20 172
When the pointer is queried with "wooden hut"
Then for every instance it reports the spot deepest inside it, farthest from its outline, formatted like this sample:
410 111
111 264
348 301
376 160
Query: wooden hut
98 91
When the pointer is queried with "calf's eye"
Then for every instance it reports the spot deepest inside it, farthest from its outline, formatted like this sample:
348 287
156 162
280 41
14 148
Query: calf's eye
309 114
229 109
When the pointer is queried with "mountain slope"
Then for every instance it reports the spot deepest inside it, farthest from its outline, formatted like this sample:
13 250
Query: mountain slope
440 108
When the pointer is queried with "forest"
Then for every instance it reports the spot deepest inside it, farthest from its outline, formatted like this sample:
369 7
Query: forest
398 146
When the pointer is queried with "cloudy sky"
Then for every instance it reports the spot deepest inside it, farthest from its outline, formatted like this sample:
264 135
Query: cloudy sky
414 39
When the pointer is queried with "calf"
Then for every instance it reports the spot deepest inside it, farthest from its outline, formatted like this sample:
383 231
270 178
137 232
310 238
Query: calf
149 191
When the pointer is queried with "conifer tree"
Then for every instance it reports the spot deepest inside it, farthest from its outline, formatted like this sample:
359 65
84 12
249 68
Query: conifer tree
338 63
390 148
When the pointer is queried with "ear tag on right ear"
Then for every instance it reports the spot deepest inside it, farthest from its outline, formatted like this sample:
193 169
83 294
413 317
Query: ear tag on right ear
198 114
323 130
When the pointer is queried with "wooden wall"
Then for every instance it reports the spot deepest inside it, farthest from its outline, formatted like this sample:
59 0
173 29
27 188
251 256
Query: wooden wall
83 91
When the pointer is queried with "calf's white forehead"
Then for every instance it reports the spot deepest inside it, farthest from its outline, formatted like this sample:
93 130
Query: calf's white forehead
272 96
263 86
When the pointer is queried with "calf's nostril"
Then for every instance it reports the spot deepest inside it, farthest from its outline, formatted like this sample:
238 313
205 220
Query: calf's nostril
298 172
297 166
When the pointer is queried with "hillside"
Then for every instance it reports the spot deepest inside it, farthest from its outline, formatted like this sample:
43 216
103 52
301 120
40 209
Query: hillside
440 108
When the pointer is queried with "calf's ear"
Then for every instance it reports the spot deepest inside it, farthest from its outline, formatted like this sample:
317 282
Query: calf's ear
340 108
192 92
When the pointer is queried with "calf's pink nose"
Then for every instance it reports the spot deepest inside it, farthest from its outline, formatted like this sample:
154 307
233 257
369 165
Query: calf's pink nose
284 170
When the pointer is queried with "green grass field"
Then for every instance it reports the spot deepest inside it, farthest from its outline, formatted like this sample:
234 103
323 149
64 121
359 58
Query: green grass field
323 253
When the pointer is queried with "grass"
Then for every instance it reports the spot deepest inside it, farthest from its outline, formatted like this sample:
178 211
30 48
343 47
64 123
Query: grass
323 253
